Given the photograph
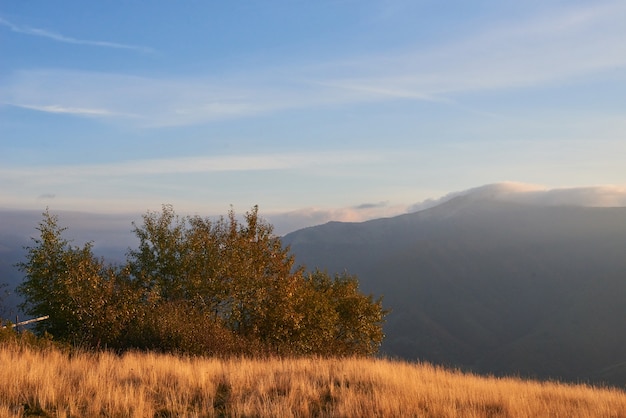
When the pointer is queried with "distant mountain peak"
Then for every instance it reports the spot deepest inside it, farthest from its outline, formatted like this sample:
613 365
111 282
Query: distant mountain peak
483 282
531 194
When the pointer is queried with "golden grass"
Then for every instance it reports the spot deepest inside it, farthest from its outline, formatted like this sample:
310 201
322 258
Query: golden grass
52 383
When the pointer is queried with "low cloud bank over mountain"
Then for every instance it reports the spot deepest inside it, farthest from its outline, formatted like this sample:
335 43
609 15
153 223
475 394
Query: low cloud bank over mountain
594 196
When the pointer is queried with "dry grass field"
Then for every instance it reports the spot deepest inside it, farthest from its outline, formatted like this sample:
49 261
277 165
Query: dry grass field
56 384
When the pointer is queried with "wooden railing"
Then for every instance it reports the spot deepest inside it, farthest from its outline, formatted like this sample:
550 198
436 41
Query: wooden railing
29 321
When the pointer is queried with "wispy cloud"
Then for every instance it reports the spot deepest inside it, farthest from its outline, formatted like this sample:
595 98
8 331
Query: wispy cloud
557 47
47 196
143 101
286 222
69 110
54 36
142 184
258 162
363 206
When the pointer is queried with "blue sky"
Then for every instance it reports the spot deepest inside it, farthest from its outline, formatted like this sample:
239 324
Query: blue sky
314 110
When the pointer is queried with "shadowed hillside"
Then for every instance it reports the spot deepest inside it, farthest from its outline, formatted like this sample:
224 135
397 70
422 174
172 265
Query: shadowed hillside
491 286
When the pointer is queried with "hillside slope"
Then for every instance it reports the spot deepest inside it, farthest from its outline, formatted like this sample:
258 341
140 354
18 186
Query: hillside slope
491 286
141 384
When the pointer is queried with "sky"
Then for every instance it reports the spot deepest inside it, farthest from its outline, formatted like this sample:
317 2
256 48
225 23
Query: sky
312 110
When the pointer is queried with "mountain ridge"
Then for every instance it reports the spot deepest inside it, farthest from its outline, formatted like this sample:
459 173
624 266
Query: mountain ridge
489 285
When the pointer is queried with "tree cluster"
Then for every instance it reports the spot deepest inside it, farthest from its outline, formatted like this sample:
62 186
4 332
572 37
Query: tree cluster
197 286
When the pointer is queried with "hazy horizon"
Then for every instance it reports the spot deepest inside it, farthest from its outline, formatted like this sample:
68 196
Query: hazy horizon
286 222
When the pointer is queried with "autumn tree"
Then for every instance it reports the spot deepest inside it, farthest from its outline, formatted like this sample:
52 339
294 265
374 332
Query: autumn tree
236 272
85 299
337 319
198 285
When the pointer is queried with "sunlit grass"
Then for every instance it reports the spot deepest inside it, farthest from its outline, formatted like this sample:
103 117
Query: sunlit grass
53 383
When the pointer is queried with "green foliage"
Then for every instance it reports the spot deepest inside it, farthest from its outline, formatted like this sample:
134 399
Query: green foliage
198 286
237 273
337 318
9 337
50 266
85 299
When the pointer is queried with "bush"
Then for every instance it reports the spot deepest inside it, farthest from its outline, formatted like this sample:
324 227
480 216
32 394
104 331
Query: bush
179 327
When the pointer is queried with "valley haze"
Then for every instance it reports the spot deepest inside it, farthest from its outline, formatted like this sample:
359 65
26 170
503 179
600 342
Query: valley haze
112 232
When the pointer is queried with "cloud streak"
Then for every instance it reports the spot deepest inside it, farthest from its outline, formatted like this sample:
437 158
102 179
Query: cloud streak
285 222
54 36
548 49
558 48
143 101
257 162
70 110
236 179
